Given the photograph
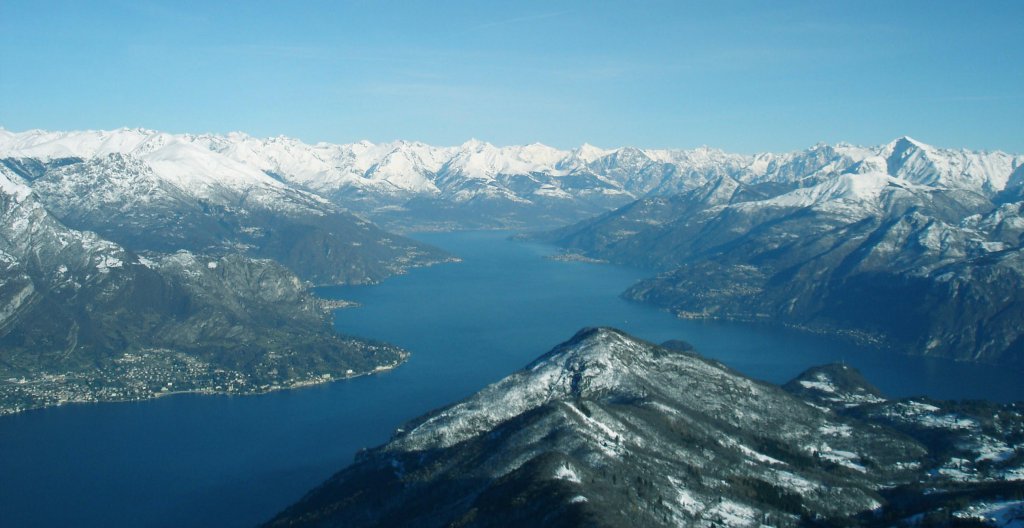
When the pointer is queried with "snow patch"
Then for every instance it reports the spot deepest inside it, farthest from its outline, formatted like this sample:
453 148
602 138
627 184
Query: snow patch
732 513
108 262
999 513
841 430
822 386
566 473
758 456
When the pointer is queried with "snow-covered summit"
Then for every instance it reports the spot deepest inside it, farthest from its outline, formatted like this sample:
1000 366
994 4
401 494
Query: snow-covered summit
596 363
853 194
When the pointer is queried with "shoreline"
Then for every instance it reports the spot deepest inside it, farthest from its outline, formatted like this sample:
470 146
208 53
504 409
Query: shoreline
213 392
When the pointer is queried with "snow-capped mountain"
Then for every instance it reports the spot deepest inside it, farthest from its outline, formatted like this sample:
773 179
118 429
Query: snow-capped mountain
155 191
906 244
410 184
608 430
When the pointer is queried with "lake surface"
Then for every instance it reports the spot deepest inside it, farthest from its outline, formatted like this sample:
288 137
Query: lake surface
235 461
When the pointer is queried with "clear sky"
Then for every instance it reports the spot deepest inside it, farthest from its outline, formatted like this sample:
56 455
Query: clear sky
743 76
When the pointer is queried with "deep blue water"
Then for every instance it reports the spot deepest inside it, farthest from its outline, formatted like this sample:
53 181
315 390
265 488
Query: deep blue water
234 461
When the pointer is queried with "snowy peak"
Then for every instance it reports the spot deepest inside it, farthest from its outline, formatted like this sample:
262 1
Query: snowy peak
189 166
587 152
475 145
185 162
481 160
912 160
580 157
595 344
598 364
906 143
161 192
628 157
917 162
80 144
598 360
851 195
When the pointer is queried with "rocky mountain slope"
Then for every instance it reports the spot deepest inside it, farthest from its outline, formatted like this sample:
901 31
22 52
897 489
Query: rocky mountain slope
974 472
608 430
84 319
908 245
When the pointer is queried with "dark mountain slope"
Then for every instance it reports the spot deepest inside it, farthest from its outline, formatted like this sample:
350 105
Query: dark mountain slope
606 430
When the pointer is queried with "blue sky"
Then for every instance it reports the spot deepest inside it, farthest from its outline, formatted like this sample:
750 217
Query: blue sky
743 76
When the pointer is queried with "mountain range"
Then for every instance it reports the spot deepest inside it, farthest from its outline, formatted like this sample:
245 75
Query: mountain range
154 191
413 186
905 245
138 263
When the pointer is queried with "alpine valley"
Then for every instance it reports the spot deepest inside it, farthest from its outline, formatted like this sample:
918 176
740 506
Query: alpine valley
138 263
910 246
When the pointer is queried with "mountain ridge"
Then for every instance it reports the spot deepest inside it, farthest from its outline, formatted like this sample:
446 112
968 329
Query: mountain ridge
402 182
609 430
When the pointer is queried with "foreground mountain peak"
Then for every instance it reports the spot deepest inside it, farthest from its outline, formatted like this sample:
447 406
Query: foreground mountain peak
610 430
596 361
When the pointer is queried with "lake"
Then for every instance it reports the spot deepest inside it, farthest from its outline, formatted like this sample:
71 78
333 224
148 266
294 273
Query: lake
193 460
